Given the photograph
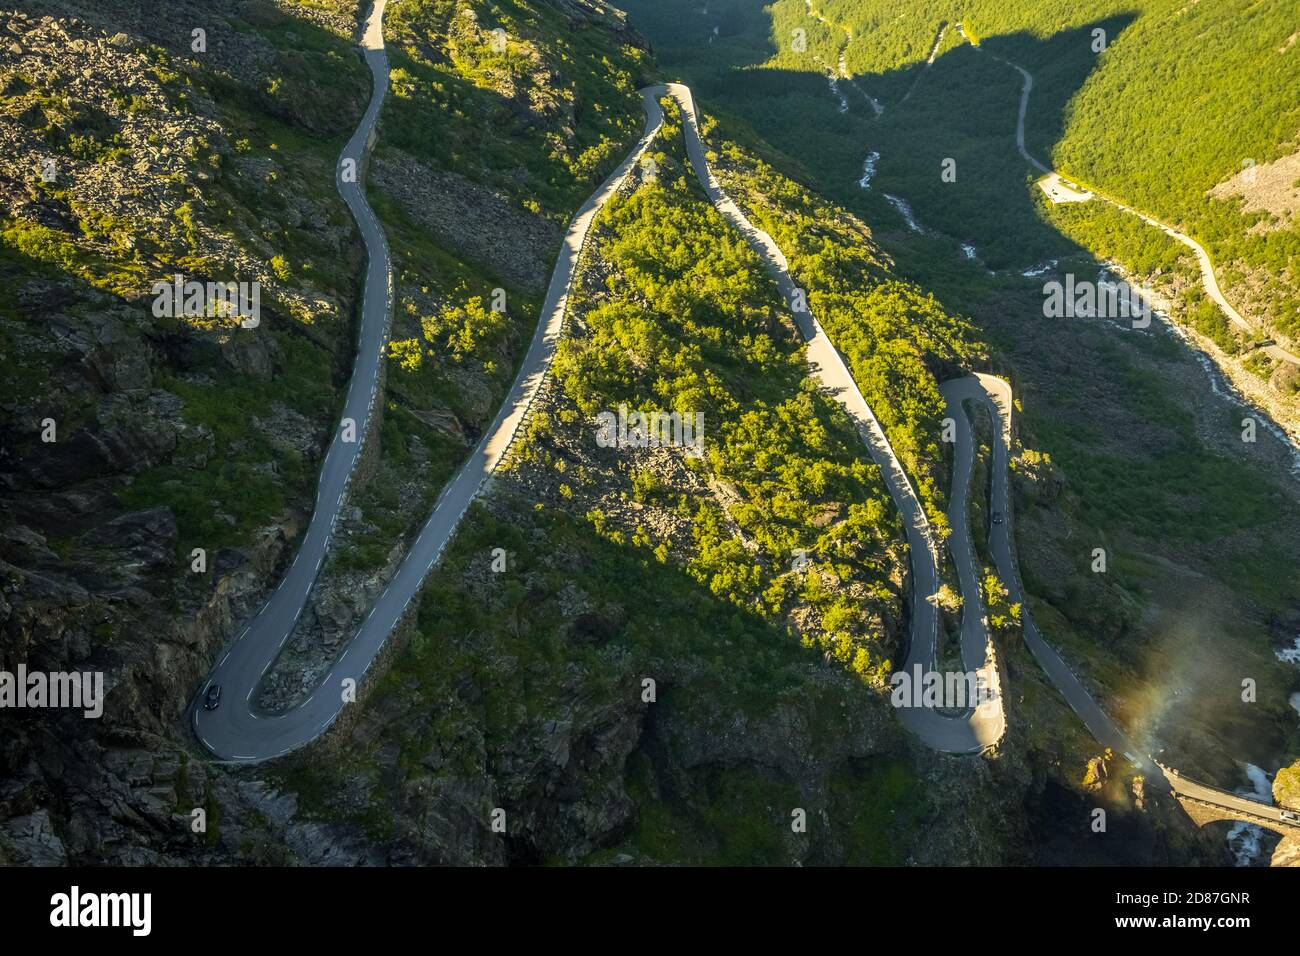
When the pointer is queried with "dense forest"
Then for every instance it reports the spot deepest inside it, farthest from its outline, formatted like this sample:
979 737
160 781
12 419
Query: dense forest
1138 133
686 320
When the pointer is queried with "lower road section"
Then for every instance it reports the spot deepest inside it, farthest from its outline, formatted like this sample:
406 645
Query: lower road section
1084 193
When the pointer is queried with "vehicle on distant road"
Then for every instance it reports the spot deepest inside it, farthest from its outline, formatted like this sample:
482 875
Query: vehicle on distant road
997 517
212 699
1291 815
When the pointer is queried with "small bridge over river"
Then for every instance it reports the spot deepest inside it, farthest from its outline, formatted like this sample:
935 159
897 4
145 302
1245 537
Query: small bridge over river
1206 804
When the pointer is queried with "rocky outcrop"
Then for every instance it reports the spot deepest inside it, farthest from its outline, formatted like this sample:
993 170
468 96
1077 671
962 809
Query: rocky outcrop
472 219
1286 786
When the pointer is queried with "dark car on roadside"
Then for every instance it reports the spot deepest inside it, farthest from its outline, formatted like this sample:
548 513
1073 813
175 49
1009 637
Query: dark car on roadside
212 699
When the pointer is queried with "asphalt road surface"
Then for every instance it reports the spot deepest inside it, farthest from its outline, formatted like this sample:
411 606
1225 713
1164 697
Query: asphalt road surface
996 394
237 730
977 729
972 729
1265 813
234 731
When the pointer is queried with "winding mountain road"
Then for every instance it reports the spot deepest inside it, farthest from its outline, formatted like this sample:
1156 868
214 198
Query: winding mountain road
237 730
974 729
229 731
996 394
1208 279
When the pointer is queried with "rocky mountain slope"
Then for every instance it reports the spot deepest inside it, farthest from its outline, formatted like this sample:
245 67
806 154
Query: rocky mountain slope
136 149
149 139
